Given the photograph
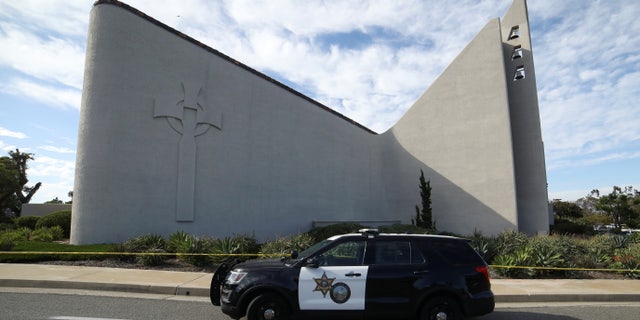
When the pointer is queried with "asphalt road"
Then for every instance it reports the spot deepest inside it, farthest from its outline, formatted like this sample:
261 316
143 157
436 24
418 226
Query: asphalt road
33 304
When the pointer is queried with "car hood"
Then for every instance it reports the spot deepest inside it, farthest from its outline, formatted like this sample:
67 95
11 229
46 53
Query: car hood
266 264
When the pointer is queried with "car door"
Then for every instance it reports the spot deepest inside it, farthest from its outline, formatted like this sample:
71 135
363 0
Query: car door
336 278
395 272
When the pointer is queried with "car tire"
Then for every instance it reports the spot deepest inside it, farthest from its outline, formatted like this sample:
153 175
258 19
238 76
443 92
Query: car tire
441 308
267 307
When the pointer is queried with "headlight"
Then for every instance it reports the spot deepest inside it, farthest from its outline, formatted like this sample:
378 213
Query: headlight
235 277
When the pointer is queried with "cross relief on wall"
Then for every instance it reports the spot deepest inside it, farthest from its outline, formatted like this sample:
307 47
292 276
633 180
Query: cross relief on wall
190 117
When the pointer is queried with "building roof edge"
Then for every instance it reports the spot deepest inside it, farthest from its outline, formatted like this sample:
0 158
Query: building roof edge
228 58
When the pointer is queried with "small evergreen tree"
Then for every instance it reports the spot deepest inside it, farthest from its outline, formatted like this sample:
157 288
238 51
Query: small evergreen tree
424 217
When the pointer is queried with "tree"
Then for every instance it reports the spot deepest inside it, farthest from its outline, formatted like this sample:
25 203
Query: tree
588 203
8 178
621 204
8 184
567 210
55 201
13 182
424 217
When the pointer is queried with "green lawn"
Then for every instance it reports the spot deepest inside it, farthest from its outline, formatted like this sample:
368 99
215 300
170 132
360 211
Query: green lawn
34 251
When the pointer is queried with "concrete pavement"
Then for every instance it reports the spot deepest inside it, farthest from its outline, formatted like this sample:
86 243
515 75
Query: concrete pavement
197 284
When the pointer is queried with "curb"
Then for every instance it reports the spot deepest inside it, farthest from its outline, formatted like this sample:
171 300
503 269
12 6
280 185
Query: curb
99 286
514 298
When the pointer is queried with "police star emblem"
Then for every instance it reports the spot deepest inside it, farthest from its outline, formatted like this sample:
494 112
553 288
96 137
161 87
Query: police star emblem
323 284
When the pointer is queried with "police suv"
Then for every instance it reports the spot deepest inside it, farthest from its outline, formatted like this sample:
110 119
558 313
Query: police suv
360 276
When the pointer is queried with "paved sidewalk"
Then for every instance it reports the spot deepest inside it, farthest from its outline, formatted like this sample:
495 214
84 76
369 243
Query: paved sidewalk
197 284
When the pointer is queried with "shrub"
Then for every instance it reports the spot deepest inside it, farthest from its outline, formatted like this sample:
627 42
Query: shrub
247 244
26 221
59 218
402 228
177 240
486 247
6 226
54 233
321 233
520 257
634 237
197 248
191 249
21 234
283 246
549 252
152 244
145 242
42 235
236 245
619 242
6 244
628 258
593 252
226 245
570 227
510 241
517 250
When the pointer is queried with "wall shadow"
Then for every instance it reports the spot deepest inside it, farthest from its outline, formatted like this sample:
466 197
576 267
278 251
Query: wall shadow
455 210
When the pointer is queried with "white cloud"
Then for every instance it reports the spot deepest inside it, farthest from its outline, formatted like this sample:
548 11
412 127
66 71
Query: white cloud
590 160
63 17
11 134
586 82
6 148
57 176
44 42
57 149
50 95
51 190
47 166
50 59
573 195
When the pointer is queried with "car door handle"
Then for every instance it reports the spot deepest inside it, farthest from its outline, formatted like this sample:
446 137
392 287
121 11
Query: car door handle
421 271
353 274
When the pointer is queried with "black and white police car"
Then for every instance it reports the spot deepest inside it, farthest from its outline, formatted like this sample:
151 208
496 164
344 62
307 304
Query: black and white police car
360 276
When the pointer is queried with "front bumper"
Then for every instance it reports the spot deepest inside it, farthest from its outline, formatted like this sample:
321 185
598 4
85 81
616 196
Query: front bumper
232 311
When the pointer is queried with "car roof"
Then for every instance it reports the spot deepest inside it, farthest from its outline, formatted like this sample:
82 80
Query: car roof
372 234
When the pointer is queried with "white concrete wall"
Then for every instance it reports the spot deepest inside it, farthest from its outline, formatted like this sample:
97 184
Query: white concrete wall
175 136
273 162
528 148
459 130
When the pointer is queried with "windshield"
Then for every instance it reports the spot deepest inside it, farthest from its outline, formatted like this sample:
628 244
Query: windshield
309 251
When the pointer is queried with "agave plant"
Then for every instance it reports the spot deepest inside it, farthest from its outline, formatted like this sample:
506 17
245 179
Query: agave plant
486 247
152 246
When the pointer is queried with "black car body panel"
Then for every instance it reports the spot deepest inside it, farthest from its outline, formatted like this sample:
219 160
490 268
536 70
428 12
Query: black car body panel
361 276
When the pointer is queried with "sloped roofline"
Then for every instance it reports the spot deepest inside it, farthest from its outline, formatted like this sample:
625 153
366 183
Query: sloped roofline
223 56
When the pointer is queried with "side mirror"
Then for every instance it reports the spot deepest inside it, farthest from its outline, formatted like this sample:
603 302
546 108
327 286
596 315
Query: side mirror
312 263
294 254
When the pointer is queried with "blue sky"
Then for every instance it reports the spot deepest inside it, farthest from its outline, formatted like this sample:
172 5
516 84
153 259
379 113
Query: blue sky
369 60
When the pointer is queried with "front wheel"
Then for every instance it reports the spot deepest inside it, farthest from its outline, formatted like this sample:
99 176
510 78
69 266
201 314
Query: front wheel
267 307
441 308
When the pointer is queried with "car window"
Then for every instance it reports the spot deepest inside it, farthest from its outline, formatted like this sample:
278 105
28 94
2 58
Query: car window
348 253
456 252
313 249
397 252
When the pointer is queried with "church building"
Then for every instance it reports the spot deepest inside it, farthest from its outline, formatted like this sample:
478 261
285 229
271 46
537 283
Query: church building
176 136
